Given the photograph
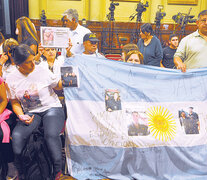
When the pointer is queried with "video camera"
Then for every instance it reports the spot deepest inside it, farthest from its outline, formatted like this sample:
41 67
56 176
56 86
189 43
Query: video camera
112 6
110 16
183 19
142 7
159 15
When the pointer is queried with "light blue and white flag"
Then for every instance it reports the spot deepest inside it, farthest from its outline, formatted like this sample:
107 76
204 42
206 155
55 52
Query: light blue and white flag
128 121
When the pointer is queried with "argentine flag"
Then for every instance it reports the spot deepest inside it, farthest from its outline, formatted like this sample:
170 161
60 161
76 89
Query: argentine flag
134 122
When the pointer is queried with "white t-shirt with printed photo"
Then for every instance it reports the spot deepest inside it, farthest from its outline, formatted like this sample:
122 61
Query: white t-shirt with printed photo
34 91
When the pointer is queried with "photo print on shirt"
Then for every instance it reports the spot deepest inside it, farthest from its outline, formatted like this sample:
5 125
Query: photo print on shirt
29 99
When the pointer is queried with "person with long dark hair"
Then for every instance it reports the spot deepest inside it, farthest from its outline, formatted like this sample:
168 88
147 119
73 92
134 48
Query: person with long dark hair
44 106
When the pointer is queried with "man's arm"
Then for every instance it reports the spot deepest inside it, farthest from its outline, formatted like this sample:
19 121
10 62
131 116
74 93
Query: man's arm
179 64
180 55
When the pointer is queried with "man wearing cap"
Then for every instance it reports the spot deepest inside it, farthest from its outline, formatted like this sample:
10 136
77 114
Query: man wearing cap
90 43
76 32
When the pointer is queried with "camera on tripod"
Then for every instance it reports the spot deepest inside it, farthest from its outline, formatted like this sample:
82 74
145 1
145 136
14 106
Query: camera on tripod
142 7
159 15
180 18
184 19
112 6
110 16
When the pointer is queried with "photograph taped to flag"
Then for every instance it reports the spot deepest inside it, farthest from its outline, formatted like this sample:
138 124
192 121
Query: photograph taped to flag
112 100
138 125
189 121
69 76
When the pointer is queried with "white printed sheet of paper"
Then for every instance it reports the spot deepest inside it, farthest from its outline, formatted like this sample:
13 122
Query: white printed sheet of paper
54 36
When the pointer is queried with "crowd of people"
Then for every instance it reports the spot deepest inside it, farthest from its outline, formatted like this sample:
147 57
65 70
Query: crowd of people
30 78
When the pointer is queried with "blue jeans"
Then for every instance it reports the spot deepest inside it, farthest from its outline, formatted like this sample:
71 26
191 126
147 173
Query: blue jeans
53 122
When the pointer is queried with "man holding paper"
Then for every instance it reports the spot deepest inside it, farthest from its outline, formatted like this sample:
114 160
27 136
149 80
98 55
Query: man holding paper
76 32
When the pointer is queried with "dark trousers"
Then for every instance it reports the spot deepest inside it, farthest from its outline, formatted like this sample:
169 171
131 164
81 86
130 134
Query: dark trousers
53 122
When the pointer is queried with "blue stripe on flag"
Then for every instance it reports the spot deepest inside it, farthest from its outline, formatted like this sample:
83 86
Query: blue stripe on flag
156 163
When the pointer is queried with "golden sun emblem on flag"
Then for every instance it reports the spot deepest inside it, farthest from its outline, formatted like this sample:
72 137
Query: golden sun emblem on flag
161 123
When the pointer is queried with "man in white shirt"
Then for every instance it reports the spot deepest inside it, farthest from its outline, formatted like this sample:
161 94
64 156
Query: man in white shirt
77 32
192 50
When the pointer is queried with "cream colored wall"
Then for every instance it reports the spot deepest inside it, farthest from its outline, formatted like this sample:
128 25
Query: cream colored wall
174 9
55 8
123 11
96 10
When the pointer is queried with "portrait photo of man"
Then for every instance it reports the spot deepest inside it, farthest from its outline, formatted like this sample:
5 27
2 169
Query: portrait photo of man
136 128
112 100
69 77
